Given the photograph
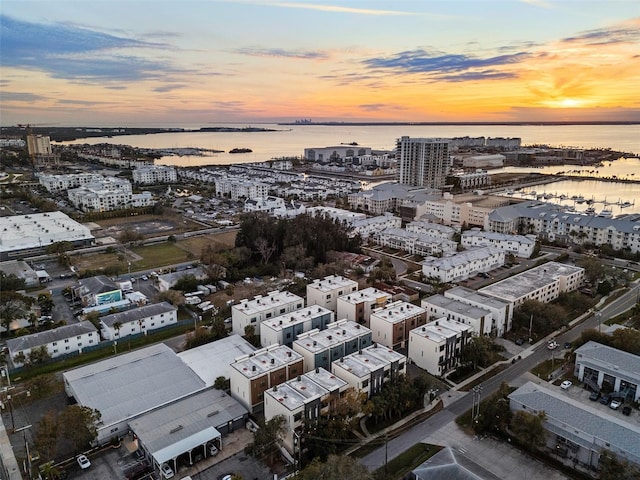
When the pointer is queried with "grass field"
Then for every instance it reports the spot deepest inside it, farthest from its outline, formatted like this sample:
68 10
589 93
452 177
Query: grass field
196 244
158 256
408 460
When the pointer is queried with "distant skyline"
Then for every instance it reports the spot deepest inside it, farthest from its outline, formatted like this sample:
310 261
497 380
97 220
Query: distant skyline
150 62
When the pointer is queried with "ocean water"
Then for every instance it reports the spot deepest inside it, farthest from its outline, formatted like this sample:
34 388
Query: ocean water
290 141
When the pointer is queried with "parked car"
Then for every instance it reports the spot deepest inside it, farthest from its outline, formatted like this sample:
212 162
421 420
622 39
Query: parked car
83 461
567 345
594 396
552 345
213 450
520 341
626 410
605 399
167 471
615 404
252 427
566 384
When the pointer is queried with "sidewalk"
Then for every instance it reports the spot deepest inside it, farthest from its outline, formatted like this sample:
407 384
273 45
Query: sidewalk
10 467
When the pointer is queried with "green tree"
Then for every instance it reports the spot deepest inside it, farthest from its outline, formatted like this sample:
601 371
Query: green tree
222 383
79 425
39 355
337 467
46 435
529 428
612 468
45 302
11 283
188 283
268 439
13 306
478 351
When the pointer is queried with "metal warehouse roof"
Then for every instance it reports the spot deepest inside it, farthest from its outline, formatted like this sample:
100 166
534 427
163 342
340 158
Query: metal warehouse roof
125 386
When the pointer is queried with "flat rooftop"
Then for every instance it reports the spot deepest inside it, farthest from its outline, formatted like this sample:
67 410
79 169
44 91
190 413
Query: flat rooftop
331 283
294 318
522 284
335 334
461 258
369 294
456 306
265 360
38 230
127 385
397 312
267 302
473 296
213 360
326 379
441 329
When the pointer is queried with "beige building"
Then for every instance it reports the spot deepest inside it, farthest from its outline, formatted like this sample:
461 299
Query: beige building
357 306
391 324
325 292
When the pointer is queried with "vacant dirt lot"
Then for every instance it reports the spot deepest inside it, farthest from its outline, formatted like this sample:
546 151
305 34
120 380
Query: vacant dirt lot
149 225
196 244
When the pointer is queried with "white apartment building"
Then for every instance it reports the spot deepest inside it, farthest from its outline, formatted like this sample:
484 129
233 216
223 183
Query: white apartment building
518 245
549 221
484 161
422 162
325 292
264 204
357 306
369 227
501 311
235 188
59 183
108 194
321 347
543 283
463 265
391 324
139 320
434 229
255 373
436 346
338 214
261 308
284 329
38 145
370 368
415 243
456 211
306 397
154 174
479 319
57 342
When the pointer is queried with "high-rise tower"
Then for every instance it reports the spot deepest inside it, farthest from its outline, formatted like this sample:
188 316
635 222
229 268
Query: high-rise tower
422 162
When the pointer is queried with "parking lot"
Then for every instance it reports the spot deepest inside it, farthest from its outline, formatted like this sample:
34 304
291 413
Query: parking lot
580 393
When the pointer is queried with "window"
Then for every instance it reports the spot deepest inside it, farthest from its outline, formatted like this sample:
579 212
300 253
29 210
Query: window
282 310
328 296
297 416
268 315
365 383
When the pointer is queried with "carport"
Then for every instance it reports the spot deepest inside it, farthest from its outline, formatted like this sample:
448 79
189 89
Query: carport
188 445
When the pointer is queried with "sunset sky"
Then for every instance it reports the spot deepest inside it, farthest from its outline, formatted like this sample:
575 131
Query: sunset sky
149 62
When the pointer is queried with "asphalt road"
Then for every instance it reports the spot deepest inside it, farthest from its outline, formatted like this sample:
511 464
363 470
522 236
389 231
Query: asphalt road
538 354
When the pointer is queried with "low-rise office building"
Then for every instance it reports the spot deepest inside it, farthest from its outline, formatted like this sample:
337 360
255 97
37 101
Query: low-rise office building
321 347
543 283
260 308
139 320
390 325
306 397
325 292
463 265
284 329
604 367
368 369
255 373
57 342
357 306
575 430
436 346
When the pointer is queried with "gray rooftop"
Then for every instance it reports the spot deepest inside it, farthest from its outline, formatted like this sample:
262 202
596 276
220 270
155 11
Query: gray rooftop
173 424
521 284
471 296
582 422
125 386
48 336
136 314
461 258
213 360
98 284
617 360
456 306
448 464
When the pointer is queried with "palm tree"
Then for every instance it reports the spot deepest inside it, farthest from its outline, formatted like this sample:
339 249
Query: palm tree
117 326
